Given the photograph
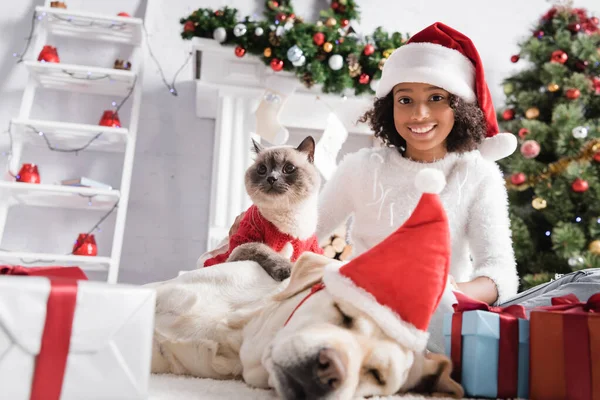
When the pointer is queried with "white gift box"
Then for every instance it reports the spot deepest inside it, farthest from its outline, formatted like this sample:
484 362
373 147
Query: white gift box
111 340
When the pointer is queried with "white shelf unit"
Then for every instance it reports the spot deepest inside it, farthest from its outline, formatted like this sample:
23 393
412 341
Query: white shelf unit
78 79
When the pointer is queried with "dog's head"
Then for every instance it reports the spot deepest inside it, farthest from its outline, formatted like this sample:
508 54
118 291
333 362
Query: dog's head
331 350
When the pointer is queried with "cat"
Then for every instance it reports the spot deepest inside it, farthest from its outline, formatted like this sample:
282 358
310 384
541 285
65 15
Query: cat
283 184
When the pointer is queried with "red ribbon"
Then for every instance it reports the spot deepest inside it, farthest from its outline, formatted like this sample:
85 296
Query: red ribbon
508 359
570 304
49 272
316 287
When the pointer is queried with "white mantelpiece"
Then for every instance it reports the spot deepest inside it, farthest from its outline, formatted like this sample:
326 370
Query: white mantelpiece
228 89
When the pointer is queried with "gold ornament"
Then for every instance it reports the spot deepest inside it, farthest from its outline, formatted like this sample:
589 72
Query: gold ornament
538 203
553 87
595 247
267 52
387 53
382 63
532 113
331 22
596 147
327 46
508 87
354 68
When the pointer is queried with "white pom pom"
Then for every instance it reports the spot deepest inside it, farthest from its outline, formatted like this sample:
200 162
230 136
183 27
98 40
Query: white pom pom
430 180
498 147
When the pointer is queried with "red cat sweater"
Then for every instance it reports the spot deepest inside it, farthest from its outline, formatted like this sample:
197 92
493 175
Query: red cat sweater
255 228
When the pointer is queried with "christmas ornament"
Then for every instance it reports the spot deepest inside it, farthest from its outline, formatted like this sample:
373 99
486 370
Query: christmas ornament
122 64
596 82
579 185
123 14
267 52
538 34
508 87
331 22
85 245
574 27
572 94
276 64
515 58
364 79
581 65
344 23
381 64
300 62
553 87
240 51
328 47
219 13
294 53
344 2
239 30
110 118
508 114
369 50
273 5
259 31
319 38
220 34
354 67
274 38
336 62
280 17
189 27
538 203
532 113
576 261
28 174
523 132
594 20
387 53
580 132
518 178
595 247
335 5
49 54
58 4
597 157
530 149
559 56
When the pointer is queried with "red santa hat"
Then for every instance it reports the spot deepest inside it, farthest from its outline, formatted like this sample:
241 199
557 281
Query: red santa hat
399 282
444 57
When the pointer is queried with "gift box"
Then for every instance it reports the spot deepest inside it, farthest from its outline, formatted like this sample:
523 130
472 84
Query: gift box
62 337
565 349
489 348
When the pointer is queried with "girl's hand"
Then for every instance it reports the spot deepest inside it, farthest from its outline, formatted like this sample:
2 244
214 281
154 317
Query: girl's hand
453 283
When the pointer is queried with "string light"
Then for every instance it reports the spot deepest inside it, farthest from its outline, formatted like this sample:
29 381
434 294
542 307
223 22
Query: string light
548 233
578 219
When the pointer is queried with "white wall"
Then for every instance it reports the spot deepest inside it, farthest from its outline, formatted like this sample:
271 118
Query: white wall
168 206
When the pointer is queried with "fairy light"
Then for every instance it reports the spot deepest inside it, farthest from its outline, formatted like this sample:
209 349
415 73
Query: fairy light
578 219
548 233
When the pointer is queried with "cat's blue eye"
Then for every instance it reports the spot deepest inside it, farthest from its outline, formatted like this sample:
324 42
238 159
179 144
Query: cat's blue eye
261 169
288 168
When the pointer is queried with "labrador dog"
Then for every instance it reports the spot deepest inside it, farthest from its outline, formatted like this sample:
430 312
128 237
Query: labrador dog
233 321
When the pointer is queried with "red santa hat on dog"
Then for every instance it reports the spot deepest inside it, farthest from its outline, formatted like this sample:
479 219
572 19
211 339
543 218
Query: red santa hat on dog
444 57
399 282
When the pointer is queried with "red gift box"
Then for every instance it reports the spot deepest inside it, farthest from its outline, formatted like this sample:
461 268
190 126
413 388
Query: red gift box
565 349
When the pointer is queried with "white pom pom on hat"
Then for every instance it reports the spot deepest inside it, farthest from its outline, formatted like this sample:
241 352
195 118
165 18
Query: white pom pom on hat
430 180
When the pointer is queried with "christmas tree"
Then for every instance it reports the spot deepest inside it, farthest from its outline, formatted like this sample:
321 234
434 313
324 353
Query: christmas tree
553 179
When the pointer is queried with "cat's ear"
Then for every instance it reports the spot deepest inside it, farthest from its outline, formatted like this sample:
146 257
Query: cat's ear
308 146
257 147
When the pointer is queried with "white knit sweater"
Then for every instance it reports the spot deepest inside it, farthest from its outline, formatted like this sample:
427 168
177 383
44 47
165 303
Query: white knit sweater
376 187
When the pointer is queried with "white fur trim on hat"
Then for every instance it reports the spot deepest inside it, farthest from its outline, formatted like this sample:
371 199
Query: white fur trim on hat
429 63
389 321
498 146
430 180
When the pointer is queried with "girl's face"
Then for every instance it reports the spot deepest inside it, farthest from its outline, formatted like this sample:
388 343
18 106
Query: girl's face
423 117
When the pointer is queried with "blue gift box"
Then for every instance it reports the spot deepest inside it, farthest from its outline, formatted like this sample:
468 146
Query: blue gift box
480 351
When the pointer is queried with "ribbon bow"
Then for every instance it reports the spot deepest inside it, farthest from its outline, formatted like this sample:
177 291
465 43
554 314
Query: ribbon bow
466 303
571 304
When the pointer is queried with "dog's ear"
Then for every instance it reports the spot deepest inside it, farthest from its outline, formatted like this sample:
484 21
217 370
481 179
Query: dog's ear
307 271
431 374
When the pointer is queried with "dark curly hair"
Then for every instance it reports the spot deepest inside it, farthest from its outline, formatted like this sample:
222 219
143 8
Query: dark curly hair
468 131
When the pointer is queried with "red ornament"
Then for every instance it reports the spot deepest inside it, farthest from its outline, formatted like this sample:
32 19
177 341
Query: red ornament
29 174
518 179
110 118
49 54
508 114
345 23
364 79
85 245
280 17
574 27
538 34
319 38
580 186
276 64
594 20
369 49
597 156
581 65
572 94
523 132
123 14
530 149
550 14
189 27
273 5
515 58
335 5
292 16
219 13
240 51
596 84
559 56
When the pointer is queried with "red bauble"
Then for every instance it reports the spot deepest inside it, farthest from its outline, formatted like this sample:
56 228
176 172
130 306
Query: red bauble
49 54
523 132
281 17
508 114
581 65
574 27
335 5
594 20
538 34
364 79
369 49
597 156
85 245
518 179
219 13
123 14
29 174
550 14
189 27
572 94
240 51
292 16
319 38
276 64
344 23
110 118
559 56
273 5
515 58
530 149
580 186
596 84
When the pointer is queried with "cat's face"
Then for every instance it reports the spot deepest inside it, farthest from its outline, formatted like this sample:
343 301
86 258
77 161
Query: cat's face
283 176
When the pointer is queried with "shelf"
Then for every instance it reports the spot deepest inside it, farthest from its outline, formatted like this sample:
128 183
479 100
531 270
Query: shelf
85 25
63 135
82 79
86 263
43 195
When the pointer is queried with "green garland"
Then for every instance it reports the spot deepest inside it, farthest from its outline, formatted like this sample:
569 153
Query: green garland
284 37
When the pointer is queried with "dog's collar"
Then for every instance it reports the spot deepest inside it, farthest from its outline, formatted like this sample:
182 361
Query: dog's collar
316 287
